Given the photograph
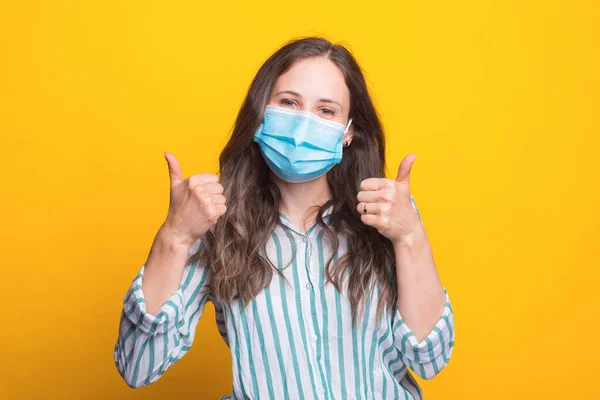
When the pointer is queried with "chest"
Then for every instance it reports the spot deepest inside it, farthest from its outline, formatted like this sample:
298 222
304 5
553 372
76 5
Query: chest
299 301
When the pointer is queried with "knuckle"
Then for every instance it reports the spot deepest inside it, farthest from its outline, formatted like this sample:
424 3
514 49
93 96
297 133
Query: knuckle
205 202
211 213
198 190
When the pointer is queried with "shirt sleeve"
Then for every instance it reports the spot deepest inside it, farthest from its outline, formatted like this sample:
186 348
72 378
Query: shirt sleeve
147 345
428 357
220 320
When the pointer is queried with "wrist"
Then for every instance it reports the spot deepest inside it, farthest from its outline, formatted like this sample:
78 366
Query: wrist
410 240
174 238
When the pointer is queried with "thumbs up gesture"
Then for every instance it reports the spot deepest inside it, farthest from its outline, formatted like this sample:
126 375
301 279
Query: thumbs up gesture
196 202
386 204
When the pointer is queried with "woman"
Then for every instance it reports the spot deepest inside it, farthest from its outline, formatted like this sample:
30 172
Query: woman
318 266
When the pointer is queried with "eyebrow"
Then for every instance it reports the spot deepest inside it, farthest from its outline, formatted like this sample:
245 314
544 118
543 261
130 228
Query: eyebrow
299 95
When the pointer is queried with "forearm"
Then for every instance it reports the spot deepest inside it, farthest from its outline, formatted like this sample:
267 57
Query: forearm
152 338
421 295
164 268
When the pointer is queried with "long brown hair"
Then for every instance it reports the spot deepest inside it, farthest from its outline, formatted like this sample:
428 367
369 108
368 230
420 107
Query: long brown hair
233 246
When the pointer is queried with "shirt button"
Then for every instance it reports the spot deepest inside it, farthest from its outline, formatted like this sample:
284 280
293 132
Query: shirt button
314 338
308 286
304 239
320 390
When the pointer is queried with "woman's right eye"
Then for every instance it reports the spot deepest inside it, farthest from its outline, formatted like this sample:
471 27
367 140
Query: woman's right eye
288 102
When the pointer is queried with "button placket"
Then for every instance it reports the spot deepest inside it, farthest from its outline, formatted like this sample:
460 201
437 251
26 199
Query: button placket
313 277
309 281
309 285
310 274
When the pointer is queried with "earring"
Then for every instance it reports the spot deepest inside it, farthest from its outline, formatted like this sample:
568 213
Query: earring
345 144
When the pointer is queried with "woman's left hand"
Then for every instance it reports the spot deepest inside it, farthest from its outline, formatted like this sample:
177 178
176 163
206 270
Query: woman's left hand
389 206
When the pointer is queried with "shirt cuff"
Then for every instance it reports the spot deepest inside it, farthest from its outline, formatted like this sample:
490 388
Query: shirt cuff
431 347
170 314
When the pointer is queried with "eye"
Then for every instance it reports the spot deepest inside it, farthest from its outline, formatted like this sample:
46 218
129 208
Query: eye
287 102
327 112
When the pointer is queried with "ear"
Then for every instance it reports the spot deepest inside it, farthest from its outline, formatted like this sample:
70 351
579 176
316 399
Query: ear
348 136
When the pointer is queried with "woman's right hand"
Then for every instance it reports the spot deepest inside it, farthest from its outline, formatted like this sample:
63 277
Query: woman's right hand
195 205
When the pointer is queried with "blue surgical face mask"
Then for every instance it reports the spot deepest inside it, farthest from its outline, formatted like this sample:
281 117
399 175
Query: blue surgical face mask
299 146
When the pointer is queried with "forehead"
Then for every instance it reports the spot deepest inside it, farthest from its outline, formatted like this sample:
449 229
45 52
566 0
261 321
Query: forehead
314 78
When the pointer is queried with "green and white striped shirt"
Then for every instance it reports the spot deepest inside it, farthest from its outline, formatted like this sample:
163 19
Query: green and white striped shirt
292 341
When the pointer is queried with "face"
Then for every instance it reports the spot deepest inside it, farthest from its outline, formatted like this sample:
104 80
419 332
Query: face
316 85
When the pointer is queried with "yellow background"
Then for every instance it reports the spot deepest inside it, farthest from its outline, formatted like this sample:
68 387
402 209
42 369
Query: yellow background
498 99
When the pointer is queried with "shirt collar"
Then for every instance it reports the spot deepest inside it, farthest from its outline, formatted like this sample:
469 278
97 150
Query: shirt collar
287 222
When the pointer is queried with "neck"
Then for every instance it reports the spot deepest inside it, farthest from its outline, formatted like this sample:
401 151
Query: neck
298 198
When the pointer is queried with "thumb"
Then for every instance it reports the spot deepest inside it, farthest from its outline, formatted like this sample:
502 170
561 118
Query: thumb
175 174
405 167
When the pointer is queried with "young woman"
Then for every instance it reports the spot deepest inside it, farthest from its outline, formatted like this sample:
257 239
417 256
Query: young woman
318 266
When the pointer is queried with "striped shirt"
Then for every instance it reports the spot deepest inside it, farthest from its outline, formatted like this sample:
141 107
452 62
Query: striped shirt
294 340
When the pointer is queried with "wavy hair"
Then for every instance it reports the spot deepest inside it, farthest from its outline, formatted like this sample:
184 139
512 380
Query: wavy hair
233 245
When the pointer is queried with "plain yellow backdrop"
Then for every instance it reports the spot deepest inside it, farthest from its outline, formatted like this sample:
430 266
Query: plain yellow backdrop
500 101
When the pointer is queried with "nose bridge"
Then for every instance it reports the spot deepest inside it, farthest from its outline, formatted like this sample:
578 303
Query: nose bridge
301 130
308 105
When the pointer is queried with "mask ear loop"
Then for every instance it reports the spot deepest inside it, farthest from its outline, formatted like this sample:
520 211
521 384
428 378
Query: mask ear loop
348 126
